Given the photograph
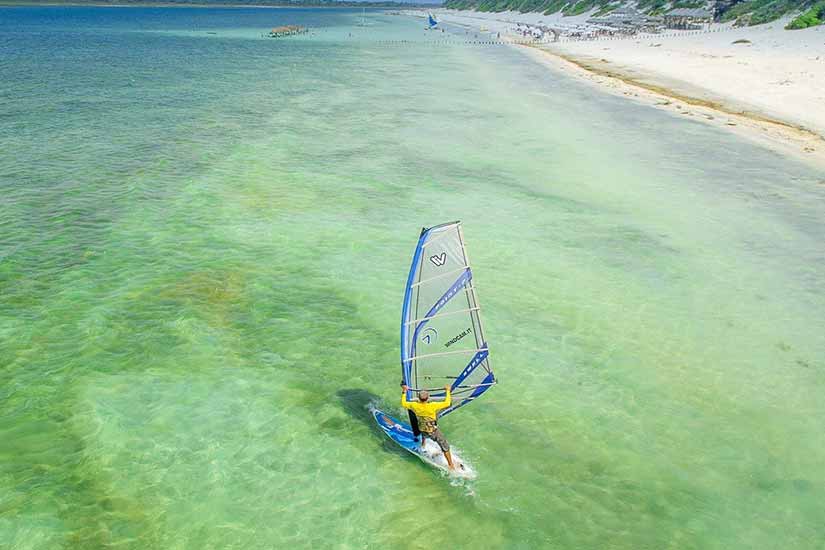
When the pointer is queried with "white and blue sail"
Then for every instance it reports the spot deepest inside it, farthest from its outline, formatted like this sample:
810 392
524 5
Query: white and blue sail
442 338
431 20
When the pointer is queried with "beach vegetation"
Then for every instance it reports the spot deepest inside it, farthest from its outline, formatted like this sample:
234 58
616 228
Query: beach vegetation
811 18
527 6
688 4
757 12
578 8
604 10
747 12
653 7
555 6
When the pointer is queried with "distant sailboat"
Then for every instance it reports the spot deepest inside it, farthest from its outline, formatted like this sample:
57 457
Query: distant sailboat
431 20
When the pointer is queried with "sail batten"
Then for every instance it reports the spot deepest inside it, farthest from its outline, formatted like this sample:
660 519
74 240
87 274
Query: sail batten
414 321
443 353
442 337
437 277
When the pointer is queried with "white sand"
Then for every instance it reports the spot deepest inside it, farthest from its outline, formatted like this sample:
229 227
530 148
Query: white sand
779 76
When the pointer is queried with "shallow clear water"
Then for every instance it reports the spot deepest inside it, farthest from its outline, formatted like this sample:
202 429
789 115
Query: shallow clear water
203 244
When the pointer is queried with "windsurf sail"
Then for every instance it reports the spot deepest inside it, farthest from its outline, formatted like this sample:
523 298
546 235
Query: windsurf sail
431 20
442 340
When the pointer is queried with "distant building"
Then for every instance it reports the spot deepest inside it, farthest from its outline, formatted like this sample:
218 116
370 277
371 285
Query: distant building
688 18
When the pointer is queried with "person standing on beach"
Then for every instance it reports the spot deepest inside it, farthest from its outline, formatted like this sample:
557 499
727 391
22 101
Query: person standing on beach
426 418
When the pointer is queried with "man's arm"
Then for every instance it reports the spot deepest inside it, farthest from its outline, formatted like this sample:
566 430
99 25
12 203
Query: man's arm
404 402
448 400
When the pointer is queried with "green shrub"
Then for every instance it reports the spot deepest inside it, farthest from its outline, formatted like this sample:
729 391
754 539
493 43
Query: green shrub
756 12
811 18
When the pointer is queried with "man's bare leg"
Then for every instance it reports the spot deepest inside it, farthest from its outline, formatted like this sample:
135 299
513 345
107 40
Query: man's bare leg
449 458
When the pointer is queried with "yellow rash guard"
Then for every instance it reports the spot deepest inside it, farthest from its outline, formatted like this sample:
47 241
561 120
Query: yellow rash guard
427 413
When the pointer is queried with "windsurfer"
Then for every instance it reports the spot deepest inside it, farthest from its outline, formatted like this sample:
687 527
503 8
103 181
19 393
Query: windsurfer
426 413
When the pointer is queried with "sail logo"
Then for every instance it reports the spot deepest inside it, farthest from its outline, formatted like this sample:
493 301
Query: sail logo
430 336
455 339
439 259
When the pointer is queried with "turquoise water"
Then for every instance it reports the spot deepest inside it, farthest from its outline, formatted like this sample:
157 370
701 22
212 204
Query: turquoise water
204 240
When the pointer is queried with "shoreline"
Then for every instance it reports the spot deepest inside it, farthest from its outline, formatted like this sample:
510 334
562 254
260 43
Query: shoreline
775 134
703 77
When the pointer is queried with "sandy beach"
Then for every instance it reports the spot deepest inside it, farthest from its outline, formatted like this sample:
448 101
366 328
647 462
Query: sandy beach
763 83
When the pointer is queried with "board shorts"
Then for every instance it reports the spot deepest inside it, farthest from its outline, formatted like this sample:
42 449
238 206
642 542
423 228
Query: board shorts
439 438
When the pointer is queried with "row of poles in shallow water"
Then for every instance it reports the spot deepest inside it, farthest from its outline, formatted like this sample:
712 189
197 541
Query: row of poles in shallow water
539 42
499 42
456 42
